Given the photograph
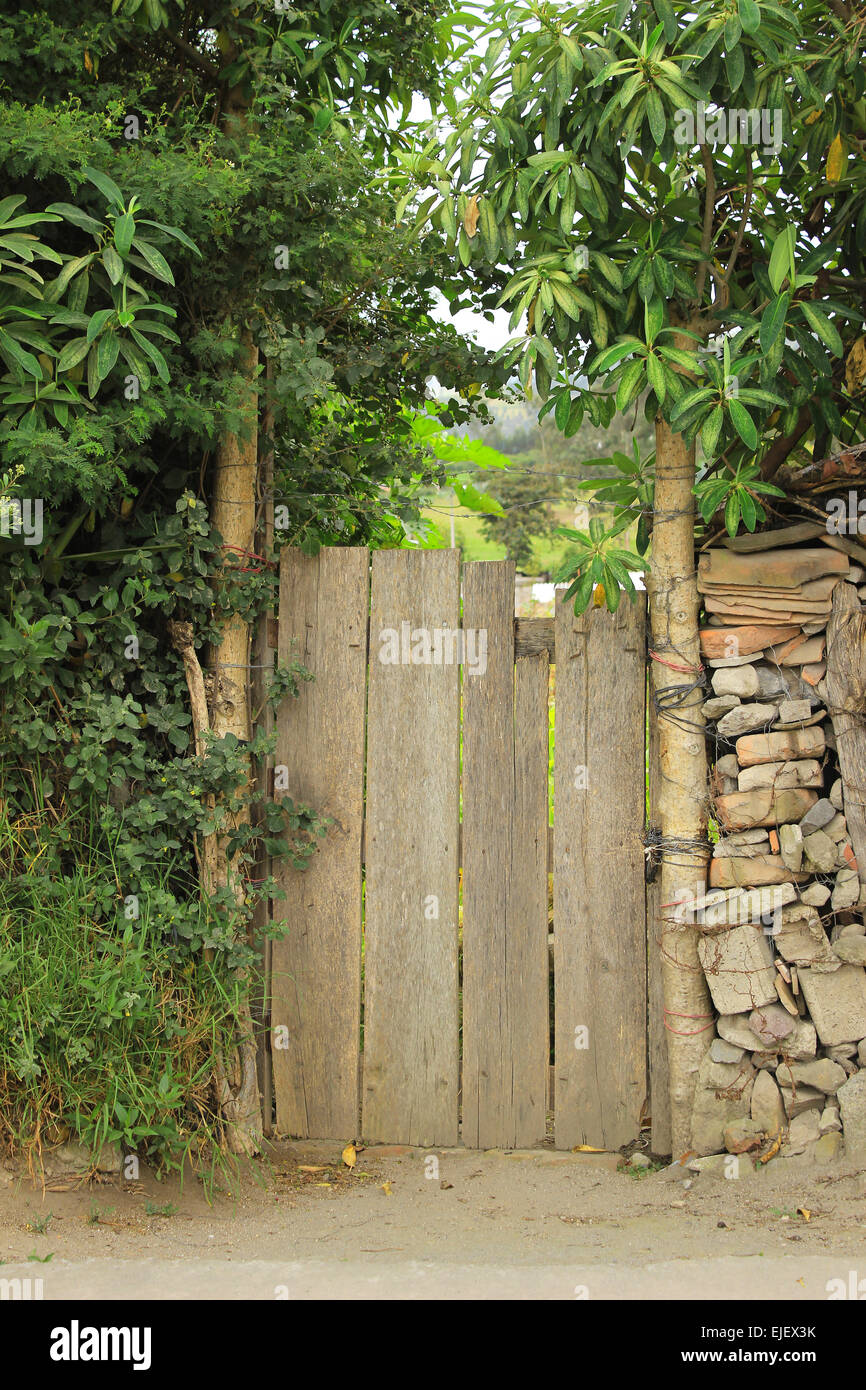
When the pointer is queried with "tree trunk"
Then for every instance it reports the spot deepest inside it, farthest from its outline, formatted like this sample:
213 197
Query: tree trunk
683 799
233 514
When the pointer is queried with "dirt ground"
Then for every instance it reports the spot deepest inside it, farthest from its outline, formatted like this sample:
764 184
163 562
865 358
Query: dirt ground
468 1210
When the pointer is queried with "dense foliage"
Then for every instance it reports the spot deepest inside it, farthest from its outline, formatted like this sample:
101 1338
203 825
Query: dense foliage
176 175
670 199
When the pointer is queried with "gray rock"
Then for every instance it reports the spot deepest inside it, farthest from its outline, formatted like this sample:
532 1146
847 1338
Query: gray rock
840 1051
741 681
743 1135
818 815
836 795
815 895
799 1045
823 1075
828 1147
771 1024
846 891
723 849
800 938
861 1053
757 836
791 846
738 965
745 719
793 711
722 1051
852 1104
837 828
767 1108
836 1003
73 1157
830 1122
715 708
804 1129
639 1160
728 766
820 851
851 950
718 1105
718 663
802 1099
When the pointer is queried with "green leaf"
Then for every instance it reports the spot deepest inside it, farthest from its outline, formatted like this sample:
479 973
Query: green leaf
106 356
20 355
773 320
656 374
748 509
710 432
170 231
72 214
105 185
124 231
630 384
73 353
781 258
750 17
97 323
656 116
732 514
566 298
827 331
155 259
113 264
743 424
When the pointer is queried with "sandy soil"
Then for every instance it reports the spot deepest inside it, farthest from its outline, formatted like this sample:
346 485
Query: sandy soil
535 1209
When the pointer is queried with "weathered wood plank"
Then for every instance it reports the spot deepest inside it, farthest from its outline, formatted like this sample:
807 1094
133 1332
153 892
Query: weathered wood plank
846 694
534 635
658 1075
320 742
504 846
411 1041
264 647
599 912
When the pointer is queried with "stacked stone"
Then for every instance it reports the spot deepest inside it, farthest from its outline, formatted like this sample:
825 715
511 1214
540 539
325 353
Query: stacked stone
782 938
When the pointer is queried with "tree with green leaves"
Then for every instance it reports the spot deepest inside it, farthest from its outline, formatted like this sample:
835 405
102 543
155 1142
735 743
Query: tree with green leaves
227 151
671 200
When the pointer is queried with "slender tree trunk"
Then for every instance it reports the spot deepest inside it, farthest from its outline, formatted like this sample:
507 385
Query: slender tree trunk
683 799
234 515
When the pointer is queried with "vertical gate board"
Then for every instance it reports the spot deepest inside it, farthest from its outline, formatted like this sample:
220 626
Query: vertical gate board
411 1040
316 966
263 718
599 913
505 966
657 1043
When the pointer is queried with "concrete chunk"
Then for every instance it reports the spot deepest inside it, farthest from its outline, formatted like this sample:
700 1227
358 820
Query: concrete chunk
836 1003
738 965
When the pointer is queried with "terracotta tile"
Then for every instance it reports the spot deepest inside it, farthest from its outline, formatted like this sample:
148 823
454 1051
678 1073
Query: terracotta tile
777 569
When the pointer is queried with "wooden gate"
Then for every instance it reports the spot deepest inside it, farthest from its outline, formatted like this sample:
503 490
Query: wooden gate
411 996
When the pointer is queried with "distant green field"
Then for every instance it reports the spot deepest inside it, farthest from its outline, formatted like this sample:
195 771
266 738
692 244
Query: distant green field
475 544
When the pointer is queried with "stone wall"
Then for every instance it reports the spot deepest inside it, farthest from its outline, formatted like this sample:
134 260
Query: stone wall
781 921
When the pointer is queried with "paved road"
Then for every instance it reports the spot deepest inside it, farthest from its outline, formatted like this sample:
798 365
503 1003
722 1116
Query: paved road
729 1277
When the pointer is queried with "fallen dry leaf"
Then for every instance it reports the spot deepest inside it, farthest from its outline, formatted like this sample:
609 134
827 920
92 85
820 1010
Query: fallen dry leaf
386 1188
587 1149
350 1155
470 217
805 1213
312 1167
